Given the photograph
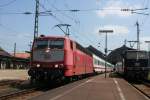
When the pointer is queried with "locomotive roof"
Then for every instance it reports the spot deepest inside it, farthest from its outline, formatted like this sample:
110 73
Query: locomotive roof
55 37
136 50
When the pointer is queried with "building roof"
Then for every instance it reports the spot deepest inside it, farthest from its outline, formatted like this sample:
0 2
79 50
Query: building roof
116 55
96 52
22 55
4 53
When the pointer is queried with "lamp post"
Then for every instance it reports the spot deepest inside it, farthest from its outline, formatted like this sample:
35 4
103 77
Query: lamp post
106 32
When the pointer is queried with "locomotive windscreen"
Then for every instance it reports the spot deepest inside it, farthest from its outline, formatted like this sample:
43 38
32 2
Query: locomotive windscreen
136 55
48 50
52 44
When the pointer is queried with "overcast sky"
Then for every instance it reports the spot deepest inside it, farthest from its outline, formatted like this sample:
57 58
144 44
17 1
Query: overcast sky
92 16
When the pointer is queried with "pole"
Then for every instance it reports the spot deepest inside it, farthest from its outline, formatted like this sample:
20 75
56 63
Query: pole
105 54
138 35
148 54
106 32
125 42
36 19
30 45
14 49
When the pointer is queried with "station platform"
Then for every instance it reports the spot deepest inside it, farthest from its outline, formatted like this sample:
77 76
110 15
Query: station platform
94 88
13 74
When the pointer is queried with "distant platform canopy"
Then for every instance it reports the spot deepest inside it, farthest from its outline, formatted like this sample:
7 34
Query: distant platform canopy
4 53
116 55
9 61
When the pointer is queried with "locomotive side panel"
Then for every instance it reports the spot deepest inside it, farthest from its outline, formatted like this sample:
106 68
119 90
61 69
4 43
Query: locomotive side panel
82 61
89 64
79 63
68 59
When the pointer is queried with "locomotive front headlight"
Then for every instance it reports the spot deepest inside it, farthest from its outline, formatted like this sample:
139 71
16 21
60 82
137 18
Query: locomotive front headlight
47 50
56 66
38 65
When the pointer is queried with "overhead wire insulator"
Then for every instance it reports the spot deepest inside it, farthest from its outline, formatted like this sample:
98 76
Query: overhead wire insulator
125 10
74 10
27 13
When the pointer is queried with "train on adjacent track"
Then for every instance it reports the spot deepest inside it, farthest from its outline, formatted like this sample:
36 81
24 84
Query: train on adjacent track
134 65
59 58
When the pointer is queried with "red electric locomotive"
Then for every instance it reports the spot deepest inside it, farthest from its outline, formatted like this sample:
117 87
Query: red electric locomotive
55 58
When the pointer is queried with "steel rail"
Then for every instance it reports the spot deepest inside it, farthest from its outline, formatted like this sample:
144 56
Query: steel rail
147 84
17 93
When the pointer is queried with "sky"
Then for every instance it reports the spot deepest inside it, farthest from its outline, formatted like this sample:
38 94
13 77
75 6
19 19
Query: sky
92 16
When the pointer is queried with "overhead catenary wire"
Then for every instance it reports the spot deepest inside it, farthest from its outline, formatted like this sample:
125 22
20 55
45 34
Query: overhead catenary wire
76 19
62 13
15 13
86 38
49 13
71 10
79 37
8 3
146 5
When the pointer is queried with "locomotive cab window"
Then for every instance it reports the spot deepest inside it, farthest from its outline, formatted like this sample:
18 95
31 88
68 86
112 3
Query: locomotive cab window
52 44
40 44
56 44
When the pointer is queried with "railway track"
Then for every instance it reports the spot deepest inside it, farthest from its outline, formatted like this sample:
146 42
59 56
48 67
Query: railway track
143 87
24 91
9 85
10 82
14 89
17 94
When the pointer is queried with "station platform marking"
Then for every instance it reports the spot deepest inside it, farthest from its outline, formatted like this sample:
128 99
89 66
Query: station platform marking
65 93
119 90
138 91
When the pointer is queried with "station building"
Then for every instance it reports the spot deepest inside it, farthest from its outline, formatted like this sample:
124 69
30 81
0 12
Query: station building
116 55
11 61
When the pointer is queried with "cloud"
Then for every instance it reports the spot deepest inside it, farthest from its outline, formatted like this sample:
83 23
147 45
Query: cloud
117 29
114 7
